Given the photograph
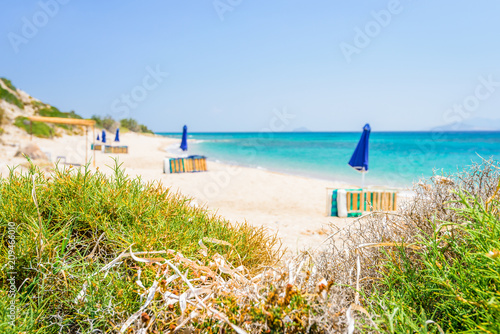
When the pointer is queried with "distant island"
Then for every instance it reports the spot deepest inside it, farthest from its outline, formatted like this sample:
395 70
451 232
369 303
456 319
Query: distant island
471 124
301 129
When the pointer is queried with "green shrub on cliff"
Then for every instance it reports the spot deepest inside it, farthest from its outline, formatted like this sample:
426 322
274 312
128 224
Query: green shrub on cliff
38 129
9 84
126 124
10 98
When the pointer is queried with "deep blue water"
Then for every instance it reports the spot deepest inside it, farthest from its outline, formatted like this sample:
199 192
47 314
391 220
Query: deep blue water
396 158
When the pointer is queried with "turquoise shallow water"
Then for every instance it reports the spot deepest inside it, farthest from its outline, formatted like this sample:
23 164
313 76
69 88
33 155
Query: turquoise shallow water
396 158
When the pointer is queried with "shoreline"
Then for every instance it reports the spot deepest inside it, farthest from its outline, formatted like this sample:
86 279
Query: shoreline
291 206
172 153
398 160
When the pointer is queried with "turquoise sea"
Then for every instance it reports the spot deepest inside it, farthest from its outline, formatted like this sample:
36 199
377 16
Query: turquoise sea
396 158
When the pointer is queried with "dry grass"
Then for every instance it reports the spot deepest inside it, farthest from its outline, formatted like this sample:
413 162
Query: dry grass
362 257
385 272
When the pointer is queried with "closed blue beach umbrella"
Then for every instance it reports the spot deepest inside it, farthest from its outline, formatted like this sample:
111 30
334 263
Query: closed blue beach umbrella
184 144
359 159
103 136
98 138
117 135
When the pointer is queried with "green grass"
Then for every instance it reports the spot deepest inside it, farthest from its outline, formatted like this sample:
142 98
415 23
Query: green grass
2 117
454 280
39 129
37 105
10 98
84 220
9 84
46 110
50 111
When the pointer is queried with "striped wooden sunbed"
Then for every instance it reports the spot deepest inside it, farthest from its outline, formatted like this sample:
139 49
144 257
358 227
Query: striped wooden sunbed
191 164
97 147
357 201
115 149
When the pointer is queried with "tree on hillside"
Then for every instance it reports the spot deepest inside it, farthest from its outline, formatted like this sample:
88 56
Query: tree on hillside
130 124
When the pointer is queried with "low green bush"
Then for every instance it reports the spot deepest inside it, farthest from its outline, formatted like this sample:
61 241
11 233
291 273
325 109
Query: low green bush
454 279
84 220
50 111
9 84
46 110
129 124
37 105
133 125
38 129
10 98
431 267
2 116
107 122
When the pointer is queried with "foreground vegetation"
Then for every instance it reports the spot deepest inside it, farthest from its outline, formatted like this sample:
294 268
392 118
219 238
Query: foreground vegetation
450 274
118 255
71 224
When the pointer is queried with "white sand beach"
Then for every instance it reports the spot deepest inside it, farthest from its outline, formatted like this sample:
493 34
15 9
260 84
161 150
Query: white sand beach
294 207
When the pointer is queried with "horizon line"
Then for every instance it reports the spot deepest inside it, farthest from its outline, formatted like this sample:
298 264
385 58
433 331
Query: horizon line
289 132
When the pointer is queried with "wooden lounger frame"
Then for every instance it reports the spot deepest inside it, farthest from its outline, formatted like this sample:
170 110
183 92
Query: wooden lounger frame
70 121
188 165
354 202
363 201
115 149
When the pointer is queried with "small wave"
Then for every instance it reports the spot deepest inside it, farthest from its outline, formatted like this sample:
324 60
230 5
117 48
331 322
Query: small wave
223 140
199 141
175 150
170 148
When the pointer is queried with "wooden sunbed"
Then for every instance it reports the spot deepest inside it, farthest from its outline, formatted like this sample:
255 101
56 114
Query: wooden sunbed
357 201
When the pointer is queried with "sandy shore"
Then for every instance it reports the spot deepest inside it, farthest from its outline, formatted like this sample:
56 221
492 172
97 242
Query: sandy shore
294 207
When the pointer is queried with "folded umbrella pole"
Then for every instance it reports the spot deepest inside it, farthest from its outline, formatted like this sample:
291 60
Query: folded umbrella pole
359 159
184 145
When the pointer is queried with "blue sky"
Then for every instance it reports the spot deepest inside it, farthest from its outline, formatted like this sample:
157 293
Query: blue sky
231 65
